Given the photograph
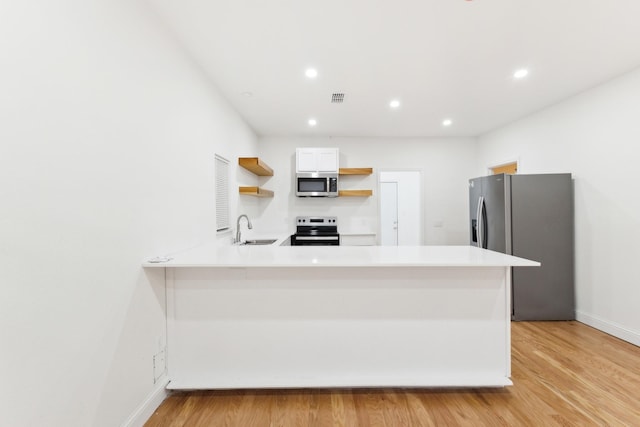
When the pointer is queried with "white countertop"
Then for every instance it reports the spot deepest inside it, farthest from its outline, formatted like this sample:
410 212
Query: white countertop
340 256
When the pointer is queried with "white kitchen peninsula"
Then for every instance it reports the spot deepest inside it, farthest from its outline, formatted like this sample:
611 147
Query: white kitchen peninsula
359 316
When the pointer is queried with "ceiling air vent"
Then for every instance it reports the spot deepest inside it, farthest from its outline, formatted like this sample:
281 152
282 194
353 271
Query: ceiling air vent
337 98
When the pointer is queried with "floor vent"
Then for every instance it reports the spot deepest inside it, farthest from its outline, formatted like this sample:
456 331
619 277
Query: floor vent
337 98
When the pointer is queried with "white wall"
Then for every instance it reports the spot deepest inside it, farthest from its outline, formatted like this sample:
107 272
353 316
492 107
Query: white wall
595 136
446 165
107 137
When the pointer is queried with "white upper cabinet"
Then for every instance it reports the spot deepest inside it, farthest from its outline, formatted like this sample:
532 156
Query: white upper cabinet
306 160
327 160
317 160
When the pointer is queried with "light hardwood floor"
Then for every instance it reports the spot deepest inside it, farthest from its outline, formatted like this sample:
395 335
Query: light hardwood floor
564 374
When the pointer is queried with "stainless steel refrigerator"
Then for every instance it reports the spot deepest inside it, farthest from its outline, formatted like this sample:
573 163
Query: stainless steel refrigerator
530 216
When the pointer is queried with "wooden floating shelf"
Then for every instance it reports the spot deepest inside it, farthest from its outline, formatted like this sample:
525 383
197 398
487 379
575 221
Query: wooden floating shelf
255 165
355 171
355 193
255 191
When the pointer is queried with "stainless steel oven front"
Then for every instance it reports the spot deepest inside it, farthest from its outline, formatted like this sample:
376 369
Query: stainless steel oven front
316 231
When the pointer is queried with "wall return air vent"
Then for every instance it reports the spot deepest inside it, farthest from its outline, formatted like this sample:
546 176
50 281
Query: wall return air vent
337 98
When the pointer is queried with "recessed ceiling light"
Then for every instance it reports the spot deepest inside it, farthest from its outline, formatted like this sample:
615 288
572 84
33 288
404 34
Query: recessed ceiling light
247 94
394 103
447 122
520 74
312 122
311 73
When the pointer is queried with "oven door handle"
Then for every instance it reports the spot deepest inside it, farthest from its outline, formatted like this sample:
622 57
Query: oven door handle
316 237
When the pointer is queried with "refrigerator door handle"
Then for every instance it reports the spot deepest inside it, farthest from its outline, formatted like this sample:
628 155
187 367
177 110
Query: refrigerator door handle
480 222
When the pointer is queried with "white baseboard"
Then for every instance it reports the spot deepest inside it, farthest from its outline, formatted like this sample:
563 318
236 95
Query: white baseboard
609 327
147 408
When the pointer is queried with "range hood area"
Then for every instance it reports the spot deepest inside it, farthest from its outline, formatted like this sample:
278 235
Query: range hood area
317 172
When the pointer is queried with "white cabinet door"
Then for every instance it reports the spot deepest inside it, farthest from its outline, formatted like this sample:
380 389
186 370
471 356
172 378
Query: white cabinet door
306 160
327 160
317 160
358 239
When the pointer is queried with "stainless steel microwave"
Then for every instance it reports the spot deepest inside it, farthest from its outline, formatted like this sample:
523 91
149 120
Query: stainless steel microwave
316 185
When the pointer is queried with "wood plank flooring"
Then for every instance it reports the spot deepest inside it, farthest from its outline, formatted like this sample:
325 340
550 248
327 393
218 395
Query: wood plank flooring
564 374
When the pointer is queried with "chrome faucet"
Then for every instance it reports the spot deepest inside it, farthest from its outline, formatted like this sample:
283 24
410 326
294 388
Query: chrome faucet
238 237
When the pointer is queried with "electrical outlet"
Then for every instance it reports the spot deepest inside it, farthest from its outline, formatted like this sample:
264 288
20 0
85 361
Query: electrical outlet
159 364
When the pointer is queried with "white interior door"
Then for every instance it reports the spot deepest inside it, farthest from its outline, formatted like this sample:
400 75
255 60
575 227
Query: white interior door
405 199
389 214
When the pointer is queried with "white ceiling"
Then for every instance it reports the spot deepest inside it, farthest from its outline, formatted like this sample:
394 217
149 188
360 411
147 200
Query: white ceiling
441 58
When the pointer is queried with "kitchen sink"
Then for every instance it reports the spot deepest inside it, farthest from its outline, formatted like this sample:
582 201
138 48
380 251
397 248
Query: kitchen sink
256 242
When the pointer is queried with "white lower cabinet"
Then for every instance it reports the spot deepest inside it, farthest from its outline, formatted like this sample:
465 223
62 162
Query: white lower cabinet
367 239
